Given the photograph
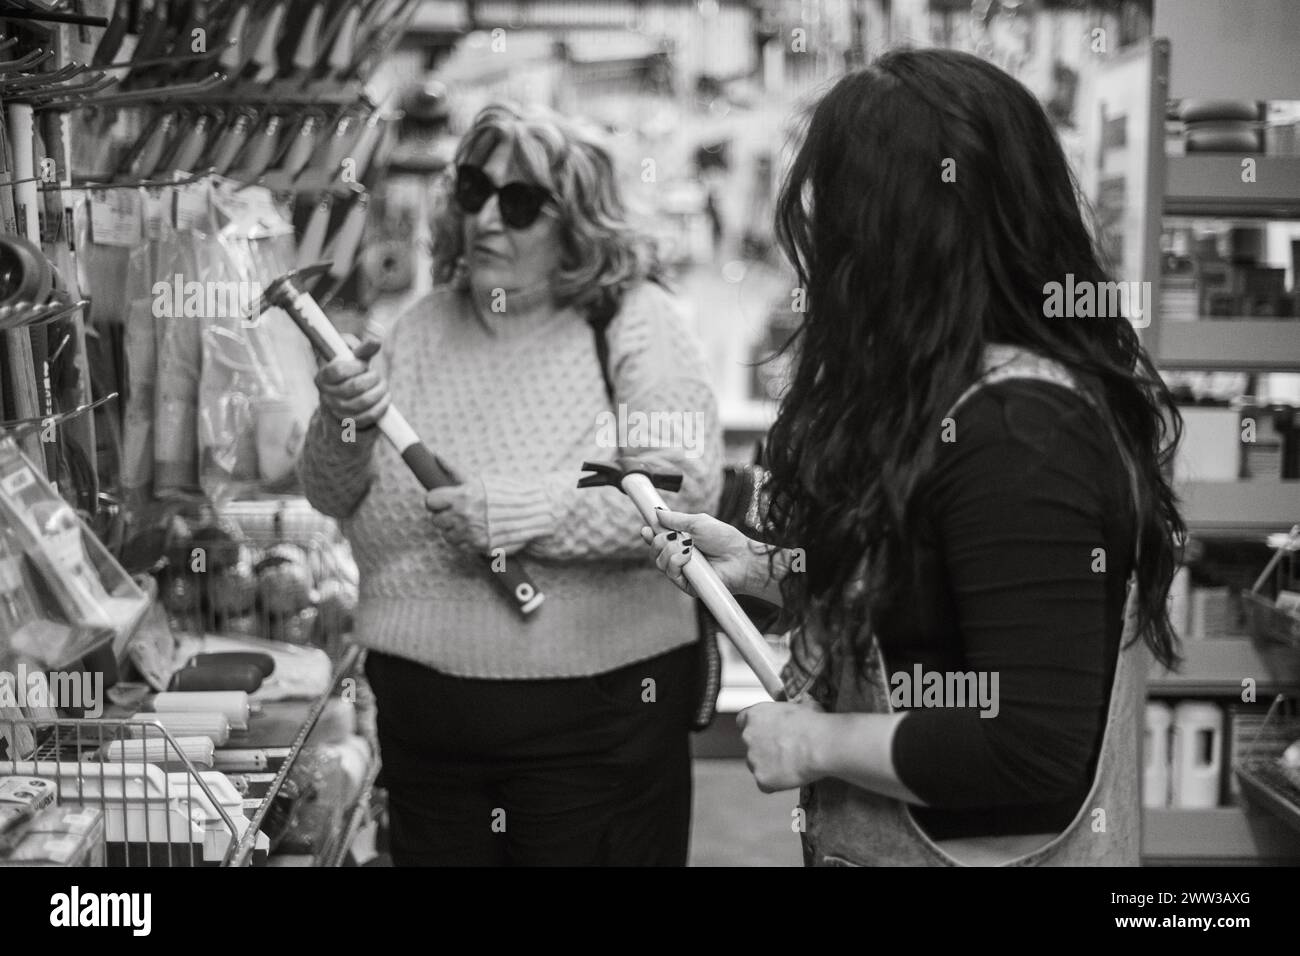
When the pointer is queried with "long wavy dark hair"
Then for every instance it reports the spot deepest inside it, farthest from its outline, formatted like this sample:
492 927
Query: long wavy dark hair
908 274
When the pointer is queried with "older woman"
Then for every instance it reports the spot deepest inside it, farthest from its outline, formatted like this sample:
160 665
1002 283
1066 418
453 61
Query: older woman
560 738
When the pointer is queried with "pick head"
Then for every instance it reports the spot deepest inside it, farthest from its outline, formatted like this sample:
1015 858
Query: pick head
613 473
282 288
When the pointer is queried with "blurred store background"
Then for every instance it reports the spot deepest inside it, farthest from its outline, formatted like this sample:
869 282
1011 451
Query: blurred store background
1181 119
702 101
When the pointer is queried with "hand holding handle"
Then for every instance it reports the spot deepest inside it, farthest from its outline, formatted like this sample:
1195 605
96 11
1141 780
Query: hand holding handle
710 589
513 580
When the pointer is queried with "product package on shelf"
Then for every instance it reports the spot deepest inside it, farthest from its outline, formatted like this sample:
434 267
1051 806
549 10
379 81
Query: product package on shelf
94 593
67 835
217 401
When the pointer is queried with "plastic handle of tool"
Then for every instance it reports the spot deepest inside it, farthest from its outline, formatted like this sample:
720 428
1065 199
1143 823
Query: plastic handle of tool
720 602
513 579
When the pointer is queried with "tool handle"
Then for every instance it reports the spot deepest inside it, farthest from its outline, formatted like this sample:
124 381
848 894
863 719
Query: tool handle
513 578
710 589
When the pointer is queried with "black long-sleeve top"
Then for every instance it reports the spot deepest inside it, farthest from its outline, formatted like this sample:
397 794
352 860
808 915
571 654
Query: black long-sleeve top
1013 514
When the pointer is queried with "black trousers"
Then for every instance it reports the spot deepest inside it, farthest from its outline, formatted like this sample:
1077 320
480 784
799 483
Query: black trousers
569 772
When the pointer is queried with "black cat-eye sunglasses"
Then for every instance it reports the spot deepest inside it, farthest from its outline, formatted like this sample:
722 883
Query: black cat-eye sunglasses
521 203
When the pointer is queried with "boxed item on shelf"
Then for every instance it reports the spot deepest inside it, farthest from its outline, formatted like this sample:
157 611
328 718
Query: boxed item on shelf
1268 306
1270 442
1196 755
1212 614
146 820
1218 284
34 793
1264 281
1179 301
68 835
1211 445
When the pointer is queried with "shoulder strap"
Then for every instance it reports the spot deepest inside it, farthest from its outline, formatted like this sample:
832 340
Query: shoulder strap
599 328
599 317
1003 362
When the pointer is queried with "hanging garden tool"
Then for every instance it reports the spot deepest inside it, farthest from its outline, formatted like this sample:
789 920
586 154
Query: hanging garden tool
286 293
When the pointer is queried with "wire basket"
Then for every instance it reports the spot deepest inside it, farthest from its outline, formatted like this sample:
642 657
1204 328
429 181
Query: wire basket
284 572
1268 621
1265 766
159 805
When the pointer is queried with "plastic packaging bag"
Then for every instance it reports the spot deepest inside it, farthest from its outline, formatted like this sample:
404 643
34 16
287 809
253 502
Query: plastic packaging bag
91 590
256 391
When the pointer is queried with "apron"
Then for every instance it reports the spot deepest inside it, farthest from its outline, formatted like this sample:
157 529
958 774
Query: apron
845 825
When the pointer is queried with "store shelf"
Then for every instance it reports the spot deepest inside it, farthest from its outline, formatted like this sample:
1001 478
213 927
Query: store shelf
1230 344
1216 668
1211 185
1246 507
1223 835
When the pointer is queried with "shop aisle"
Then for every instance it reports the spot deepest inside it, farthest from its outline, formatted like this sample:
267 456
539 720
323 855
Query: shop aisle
735 824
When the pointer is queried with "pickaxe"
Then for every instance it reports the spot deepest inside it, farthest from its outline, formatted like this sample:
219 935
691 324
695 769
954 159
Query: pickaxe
306 313
637 480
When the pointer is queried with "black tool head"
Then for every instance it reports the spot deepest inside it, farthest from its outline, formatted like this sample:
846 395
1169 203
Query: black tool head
613 473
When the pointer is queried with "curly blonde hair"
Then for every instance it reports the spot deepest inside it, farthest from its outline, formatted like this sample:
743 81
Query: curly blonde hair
603 254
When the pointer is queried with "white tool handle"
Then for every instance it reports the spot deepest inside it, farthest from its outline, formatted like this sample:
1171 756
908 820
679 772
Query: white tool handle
710 589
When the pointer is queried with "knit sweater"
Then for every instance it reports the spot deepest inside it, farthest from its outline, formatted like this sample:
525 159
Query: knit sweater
517 404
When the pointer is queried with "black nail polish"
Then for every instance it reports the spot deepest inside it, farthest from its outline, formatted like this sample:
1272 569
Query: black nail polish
686 550
672 536
688 541
660 508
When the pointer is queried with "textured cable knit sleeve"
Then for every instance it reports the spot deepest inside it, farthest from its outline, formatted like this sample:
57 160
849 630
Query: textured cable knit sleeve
335 474
661 381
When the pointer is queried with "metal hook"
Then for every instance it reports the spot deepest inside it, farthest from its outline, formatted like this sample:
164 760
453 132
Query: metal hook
39 79
94 84
139 183
25 63
42 314
163 60
209 82
98 83
18 427
51 16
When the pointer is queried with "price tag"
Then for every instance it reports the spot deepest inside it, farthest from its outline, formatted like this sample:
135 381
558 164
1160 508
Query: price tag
17 482
191 205
116 218
251 211
155 215
80 821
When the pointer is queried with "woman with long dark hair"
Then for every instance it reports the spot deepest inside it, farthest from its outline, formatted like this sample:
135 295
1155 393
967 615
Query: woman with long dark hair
974 483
